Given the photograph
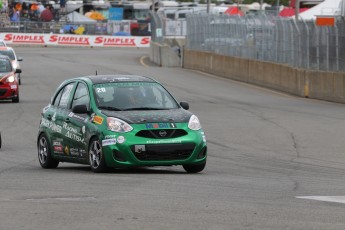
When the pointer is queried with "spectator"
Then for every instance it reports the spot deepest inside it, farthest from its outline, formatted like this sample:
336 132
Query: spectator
15 15
47 14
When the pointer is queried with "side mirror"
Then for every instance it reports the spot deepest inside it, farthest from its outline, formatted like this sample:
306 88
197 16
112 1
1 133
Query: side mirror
20 59
80 109
18 71
184 105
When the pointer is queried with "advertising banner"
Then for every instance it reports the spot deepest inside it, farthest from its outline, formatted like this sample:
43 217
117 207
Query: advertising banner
75 40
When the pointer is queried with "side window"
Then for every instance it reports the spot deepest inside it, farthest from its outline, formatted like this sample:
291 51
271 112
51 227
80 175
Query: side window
66 95
81 96
57 98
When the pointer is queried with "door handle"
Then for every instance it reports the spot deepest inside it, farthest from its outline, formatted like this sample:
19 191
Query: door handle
67 120
49 117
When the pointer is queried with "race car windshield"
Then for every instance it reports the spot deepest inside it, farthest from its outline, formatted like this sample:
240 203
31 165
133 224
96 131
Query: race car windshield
133 96
8 53
5 66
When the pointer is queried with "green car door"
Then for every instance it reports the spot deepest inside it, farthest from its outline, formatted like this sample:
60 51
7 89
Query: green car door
76 125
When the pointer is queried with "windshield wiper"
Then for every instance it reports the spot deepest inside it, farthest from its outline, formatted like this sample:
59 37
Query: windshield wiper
143 108
109 108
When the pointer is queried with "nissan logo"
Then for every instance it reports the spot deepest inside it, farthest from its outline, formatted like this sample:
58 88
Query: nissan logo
162 133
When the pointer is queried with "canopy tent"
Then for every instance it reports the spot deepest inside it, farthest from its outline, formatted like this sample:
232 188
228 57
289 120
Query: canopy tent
95 15
233 10
77 17
325 8
289 12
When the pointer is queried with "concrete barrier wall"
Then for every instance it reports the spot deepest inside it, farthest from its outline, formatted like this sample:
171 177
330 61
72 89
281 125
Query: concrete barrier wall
327 86
164 55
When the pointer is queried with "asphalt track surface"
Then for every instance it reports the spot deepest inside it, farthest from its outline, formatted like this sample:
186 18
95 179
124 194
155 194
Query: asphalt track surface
267 152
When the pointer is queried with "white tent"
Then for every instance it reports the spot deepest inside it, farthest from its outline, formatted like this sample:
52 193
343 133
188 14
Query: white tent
77 17
326 8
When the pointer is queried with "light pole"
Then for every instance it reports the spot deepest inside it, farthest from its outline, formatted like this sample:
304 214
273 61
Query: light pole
296 9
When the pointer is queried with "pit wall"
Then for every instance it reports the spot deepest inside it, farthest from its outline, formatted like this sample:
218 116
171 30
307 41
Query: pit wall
329 86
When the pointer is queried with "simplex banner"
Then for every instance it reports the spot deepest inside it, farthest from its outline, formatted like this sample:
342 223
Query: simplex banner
75 40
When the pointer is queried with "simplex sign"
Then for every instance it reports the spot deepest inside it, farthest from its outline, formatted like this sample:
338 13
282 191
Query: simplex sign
75 40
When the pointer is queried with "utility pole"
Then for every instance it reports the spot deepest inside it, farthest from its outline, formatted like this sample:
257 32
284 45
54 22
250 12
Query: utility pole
297 9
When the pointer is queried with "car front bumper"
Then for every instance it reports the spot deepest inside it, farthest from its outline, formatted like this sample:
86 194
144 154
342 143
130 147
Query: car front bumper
127 150
8 91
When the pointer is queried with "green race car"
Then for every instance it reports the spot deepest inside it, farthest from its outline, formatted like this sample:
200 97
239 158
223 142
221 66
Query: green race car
116 121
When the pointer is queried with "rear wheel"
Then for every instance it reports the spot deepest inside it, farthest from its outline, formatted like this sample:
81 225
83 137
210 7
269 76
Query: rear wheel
44 155
194 168
96 157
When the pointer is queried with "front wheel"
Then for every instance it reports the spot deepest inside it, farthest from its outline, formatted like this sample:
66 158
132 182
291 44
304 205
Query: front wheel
44 155
16 99
19 79
194 168
96 157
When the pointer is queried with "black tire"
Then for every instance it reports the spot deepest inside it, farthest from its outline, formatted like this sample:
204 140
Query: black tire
19 79
44 153
16 99
96 157
194 168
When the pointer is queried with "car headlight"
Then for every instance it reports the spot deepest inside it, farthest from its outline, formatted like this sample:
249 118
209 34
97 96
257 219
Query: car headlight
117 125
194 123
15 65
10 79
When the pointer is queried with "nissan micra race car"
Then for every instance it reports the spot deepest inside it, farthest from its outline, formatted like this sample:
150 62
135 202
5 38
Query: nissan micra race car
9 87
115 121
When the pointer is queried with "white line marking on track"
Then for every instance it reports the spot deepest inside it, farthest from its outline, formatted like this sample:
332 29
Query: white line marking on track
142 61
336 199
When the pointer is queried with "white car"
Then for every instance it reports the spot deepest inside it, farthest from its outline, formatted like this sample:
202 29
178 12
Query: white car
9 51
2 43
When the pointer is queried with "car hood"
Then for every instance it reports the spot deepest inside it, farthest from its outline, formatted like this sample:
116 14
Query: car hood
4 74
150 116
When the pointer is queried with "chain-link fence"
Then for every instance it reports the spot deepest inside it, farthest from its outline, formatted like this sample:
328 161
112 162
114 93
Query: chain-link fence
300 44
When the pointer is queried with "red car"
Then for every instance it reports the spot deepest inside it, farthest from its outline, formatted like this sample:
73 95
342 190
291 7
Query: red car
9 89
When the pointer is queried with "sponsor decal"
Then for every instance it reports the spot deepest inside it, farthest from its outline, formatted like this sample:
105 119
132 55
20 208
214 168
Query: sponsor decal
107 142
51 125
83 129
74 136
121 139
69 128
57 143
109 136
116 41
58 148
98 120
69 40
24 38
66 150
74 152
82 153
160 125
164 142
54 117
13 86
145 41
73 115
